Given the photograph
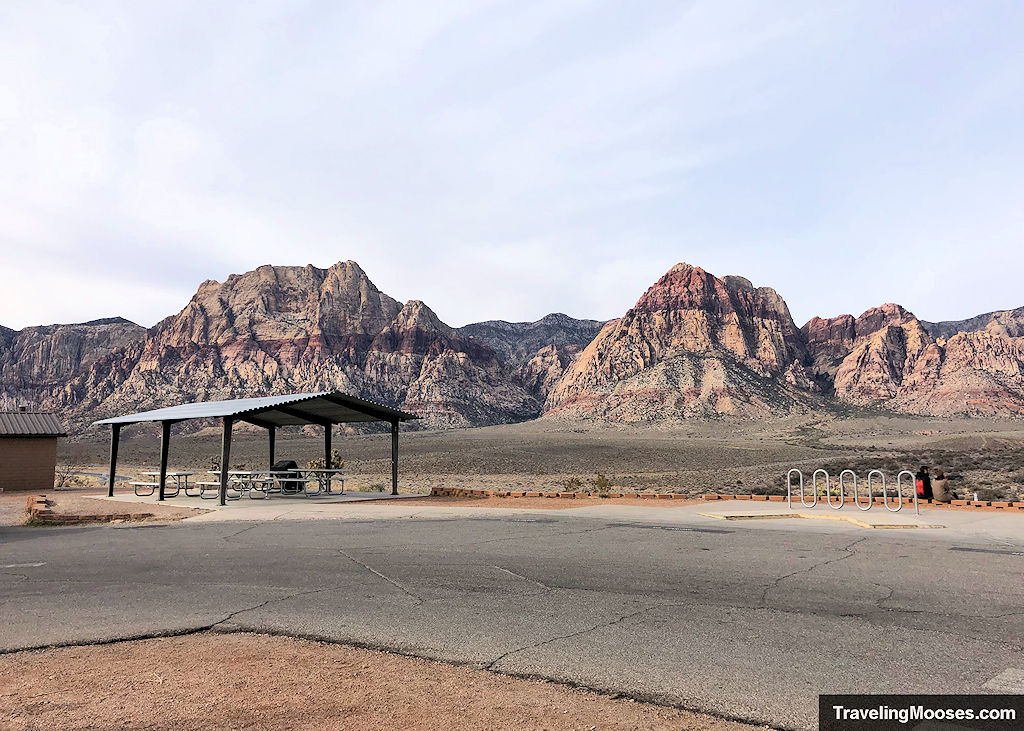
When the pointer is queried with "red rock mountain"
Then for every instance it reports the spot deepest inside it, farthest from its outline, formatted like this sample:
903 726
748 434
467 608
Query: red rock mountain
293 329
693 346
38 364
1008 323
887 357
281 330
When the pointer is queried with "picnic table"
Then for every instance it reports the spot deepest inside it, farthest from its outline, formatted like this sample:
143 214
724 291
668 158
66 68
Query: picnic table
324 478
259 484
180 482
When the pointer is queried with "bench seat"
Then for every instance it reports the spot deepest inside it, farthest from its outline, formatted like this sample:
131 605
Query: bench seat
151 485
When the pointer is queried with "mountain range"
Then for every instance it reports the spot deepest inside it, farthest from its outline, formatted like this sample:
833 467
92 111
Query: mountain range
693 346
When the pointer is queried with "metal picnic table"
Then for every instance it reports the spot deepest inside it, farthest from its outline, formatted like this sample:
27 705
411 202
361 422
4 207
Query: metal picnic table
180 482
285 482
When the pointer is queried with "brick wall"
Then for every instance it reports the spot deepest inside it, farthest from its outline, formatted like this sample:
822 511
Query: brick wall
27 463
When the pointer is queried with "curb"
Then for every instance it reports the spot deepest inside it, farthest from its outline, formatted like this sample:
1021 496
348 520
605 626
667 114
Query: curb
39 511
957 504
469 492
806 516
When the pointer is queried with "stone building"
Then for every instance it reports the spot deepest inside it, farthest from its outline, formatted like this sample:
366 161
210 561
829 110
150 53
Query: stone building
28 450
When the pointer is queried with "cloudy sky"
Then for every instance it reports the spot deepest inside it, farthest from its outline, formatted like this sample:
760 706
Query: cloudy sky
509 159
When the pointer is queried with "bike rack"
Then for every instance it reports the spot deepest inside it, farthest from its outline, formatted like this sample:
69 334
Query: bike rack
856 489
913 489
828 486
872 476
885 498
814 493
789 487
842 488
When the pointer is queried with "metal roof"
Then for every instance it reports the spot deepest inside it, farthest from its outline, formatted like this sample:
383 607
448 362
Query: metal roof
322 407
30 424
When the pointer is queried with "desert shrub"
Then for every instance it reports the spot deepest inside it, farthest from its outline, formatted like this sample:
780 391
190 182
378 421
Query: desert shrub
987 493
318 464
377 487
573 484
602 484
65 477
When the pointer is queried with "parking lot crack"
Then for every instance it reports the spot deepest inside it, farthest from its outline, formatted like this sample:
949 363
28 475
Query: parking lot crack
571 635
849 552
375 572
267 602
240 532
524 578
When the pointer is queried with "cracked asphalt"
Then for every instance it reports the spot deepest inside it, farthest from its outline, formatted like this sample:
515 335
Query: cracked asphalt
748 621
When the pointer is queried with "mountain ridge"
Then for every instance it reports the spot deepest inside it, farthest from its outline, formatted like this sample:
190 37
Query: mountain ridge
693 346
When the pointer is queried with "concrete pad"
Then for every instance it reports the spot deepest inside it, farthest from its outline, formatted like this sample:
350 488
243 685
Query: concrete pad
876 517
848 518
1003 528
276 507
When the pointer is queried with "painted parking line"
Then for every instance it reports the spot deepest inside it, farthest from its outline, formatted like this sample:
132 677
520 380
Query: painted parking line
22 565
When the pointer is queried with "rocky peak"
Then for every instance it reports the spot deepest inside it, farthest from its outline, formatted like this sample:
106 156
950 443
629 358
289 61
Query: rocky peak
703 312
519 342
1007 323
876 318
282 302
37 364
422 364
830 340
49 354
415 315
692 345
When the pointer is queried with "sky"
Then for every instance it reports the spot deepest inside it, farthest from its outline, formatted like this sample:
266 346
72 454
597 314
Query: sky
504 160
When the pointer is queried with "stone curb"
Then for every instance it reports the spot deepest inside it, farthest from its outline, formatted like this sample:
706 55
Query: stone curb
480 493
39 511
959 504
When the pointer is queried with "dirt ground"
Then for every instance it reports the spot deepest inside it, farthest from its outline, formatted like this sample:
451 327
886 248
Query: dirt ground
535 503
729 455
245 681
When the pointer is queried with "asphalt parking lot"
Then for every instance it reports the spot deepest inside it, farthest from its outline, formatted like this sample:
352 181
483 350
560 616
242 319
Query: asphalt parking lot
744 621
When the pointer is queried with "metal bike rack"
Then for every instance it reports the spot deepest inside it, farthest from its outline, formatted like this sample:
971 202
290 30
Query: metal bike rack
828 486
871 476
814 492
913 489
885 497
836 505
856 489
842 488
789 486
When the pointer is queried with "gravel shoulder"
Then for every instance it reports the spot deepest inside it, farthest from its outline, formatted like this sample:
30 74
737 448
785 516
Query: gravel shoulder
247 681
